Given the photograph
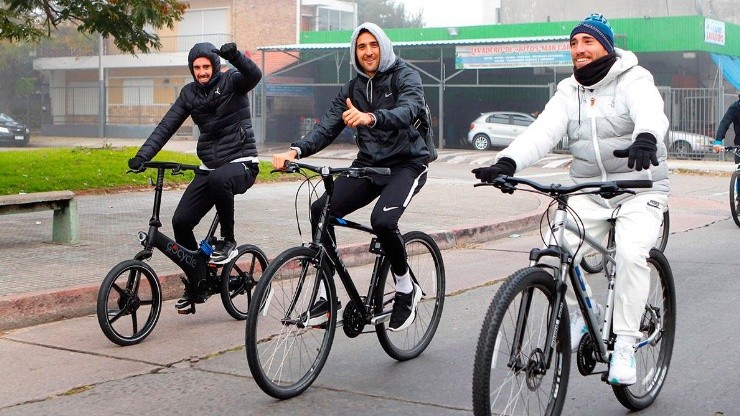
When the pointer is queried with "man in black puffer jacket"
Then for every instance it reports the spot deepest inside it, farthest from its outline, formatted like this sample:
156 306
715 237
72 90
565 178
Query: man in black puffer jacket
384 116
218 104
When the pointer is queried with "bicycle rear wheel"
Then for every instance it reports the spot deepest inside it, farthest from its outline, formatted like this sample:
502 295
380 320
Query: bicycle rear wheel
129 302
238 279
653 360
510 373
735 197
285 352
665 230
427 269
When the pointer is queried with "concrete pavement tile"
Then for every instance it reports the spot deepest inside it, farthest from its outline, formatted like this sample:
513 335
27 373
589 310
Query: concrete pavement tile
35 372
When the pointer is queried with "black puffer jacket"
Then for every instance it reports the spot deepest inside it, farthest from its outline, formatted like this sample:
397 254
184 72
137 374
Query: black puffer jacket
732 116
392 141
220 109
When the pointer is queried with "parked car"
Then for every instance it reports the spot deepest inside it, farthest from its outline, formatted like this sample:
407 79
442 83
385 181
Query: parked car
498 128
12 132
682 144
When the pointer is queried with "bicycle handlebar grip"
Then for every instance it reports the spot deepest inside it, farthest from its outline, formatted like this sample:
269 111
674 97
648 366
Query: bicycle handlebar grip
379 171
634 184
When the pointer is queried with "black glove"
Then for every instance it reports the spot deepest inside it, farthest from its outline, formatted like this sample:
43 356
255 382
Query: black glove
228 51
136 163
641 153
504 166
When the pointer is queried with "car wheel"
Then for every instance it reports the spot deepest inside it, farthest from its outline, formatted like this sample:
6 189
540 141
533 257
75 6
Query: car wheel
481 142
682 150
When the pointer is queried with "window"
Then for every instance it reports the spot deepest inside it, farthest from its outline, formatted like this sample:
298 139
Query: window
335 19
520 120
138 91
208 25
498 118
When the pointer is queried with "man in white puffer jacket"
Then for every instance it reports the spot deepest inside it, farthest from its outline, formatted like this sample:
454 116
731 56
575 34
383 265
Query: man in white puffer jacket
613 116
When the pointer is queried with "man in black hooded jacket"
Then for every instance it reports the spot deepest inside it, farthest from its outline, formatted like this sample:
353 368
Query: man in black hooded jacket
218 104
384 116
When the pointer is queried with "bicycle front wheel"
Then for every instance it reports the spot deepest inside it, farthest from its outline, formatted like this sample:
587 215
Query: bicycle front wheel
428 271
511 374
735 197
238 279
286 346
129 302
652 360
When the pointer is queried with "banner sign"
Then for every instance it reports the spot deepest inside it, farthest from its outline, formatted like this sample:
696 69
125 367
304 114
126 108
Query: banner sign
714 32
513 55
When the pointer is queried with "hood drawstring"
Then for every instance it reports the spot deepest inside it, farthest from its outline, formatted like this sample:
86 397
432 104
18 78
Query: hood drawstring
369 90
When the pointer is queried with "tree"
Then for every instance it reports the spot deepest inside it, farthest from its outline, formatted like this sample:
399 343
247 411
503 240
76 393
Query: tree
125 21
387 14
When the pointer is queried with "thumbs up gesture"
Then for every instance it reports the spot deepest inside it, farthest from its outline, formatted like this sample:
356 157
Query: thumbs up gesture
354 117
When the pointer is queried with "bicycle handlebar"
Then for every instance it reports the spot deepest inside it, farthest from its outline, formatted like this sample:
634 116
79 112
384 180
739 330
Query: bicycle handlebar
352 171
608 189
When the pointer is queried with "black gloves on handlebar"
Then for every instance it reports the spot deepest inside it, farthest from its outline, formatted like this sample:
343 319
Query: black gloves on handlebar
504 166
641 153
136 163
228 51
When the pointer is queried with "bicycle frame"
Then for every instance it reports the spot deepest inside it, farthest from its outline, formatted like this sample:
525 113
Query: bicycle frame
193 263
330 252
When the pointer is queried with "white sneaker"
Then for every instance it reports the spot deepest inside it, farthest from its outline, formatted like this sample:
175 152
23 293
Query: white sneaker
578 326
622 369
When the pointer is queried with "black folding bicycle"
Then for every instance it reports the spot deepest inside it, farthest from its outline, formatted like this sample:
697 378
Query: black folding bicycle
130 297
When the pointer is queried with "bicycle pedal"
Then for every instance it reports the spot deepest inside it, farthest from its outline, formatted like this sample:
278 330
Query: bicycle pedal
186 311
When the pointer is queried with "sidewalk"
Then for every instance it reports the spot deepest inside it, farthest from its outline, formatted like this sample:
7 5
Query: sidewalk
44 282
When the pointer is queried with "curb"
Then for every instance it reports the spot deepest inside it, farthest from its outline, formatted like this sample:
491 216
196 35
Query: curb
36 308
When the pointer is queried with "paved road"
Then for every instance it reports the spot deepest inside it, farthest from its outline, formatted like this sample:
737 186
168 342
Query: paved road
196 365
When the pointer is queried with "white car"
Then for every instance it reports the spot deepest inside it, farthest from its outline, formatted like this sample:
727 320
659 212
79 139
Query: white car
498 128
683 145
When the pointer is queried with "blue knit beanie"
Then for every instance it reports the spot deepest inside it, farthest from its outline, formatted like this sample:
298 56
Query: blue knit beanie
597 26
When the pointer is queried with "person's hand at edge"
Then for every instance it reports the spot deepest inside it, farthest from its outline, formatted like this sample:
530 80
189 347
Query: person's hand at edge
504 166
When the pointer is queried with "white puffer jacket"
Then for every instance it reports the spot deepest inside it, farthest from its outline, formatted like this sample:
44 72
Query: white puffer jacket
598 120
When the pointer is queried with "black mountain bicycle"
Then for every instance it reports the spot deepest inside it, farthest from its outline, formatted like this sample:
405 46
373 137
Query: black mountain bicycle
522 361
287 347
130 297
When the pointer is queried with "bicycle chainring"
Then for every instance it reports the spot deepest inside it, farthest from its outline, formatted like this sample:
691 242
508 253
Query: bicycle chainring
585 355
352 321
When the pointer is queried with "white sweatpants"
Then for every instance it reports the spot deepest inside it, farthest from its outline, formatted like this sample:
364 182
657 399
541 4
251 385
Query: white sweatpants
637 227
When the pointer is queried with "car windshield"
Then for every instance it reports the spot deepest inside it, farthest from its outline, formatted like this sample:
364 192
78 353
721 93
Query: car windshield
5 117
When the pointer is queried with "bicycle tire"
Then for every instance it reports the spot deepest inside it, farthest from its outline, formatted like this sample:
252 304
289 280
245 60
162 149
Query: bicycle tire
665 230
528 392
653 361
238 279
427 267
734 195
121 298
274 329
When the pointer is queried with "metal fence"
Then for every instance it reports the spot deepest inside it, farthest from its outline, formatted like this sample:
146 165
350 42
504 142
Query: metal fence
694 113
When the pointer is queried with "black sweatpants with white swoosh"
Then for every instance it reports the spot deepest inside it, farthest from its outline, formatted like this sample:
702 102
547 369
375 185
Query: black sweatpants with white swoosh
394 194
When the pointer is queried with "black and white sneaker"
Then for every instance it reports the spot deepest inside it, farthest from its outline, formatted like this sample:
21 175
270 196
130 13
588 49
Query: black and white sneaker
184 301
224 252
404 309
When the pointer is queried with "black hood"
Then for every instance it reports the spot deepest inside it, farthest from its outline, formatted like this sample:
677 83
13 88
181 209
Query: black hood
204 49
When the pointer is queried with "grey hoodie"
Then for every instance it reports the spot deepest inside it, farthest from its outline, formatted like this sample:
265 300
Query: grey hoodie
387 57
